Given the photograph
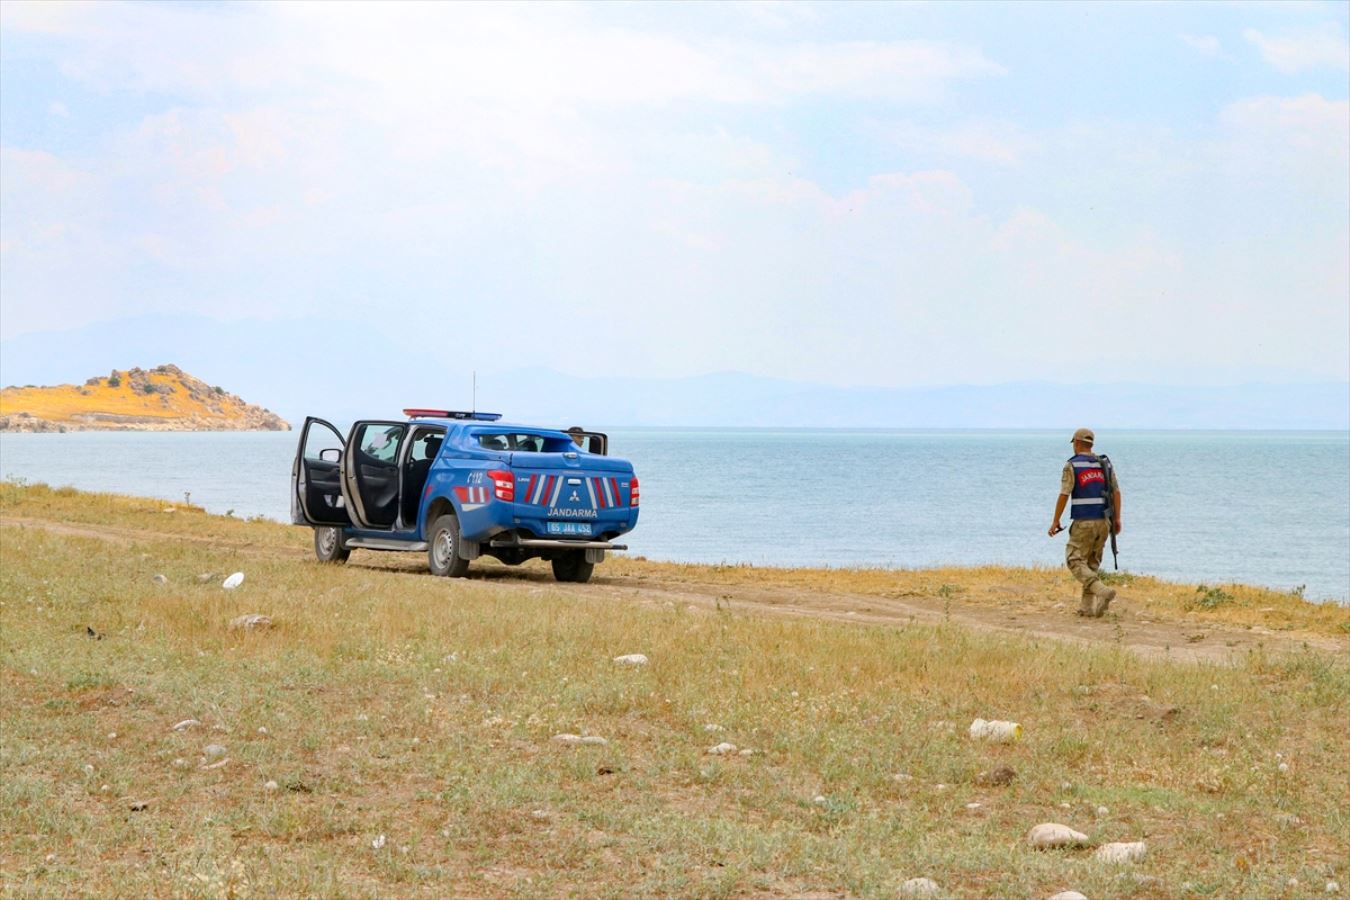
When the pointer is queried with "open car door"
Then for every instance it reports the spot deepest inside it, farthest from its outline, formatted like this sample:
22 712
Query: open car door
590 441
370 472
316 482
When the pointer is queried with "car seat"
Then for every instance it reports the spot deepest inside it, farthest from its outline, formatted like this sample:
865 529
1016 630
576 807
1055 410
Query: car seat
415 478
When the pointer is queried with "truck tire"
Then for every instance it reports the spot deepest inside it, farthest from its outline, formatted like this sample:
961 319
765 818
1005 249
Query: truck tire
443 549
572 566
328 546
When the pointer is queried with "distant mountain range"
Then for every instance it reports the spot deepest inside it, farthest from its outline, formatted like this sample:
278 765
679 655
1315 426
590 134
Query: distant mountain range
343 371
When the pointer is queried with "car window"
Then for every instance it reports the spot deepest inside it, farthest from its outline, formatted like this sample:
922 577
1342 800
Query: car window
317 440
525 442
425 445
380 441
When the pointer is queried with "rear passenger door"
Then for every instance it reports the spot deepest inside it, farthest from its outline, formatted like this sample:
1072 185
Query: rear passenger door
370 472
423 447
592 442
316 482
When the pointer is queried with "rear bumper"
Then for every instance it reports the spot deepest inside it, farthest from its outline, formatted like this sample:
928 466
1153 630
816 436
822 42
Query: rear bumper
553 544
610 522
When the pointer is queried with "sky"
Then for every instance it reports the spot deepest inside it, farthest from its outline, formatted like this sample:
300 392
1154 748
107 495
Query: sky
850 194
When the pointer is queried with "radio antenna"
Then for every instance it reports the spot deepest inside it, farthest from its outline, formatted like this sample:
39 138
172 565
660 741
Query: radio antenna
475 391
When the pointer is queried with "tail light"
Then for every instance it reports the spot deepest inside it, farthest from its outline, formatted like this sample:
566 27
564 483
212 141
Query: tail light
633 490
503 486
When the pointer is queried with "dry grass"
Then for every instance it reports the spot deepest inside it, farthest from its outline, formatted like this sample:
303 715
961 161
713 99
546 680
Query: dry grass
60 404
1026 589
422 709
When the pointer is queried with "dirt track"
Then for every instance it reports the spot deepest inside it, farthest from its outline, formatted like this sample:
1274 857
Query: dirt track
1153 635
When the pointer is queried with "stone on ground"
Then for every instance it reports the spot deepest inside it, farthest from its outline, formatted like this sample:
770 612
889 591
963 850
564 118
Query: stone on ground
631 659
1003 775
251 621
722 749
233 581
920 887
1049 835
1121 852
1067 895
186 724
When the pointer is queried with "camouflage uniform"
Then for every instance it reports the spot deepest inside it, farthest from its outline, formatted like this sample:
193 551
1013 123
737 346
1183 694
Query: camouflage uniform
1087 542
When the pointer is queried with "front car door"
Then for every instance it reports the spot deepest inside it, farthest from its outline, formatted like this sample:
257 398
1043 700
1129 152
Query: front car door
316 482
370 472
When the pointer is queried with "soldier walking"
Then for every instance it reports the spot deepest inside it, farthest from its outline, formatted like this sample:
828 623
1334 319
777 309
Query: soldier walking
1083 488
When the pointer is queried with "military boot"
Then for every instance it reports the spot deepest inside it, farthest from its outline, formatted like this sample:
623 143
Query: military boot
1102 597
1086 604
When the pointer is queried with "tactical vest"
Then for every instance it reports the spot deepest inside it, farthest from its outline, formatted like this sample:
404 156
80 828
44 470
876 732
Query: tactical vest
1088 500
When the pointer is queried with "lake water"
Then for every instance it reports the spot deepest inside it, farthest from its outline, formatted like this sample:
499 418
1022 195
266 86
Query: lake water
1269 508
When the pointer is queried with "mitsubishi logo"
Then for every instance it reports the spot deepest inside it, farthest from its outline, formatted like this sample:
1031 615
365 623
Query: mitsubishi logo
575 498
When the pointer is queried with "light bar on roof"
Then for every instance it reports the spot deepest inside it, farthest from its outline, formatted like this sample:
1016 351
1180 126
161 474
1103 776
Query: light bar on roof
418 412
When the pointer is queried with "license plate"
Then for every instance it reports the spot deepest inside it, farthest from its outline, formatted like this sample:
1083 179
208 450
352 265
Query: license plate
572 528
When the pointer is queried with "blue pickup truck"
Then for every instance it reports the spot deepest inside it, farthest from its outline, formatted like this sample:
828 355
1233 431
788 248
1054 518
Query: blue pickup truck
460 485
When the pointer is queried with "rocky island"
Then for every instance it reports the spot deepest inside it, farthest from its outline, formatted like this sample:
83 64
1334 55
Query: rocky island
164 398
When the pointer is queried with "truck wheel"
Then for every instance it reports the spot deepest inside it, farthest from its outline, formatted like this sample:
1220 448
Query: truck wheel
443 549
328 546
572 566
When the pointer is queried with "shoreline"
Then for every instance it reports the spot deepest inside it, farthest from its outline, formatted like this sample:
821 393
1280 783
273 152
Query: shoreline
221 508
1041 597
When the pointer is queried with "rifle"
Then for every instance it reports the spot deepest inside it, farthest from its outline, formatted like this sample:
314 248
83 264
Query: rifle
1109 495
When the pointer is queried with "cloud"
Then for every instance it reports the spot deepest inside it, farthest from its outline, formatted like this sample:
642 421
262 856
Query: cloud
37 171
537 55
897 69
58 109
41 18
932 193
996 142
778 13
1307 136
1308 120
1297 51
691 201
1204 44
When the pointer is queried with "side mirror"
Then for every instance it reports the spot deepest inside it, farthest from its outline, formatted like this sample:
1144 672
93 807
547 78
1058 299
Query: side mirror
336 454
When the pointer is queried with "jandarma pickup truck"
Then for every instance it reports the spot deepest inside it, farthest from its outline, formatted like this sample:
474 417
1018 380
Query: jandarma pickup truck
460 485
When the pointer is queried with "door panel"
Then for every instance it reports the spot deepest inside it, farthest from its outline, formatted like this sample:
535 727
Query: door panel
316 484
370 470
